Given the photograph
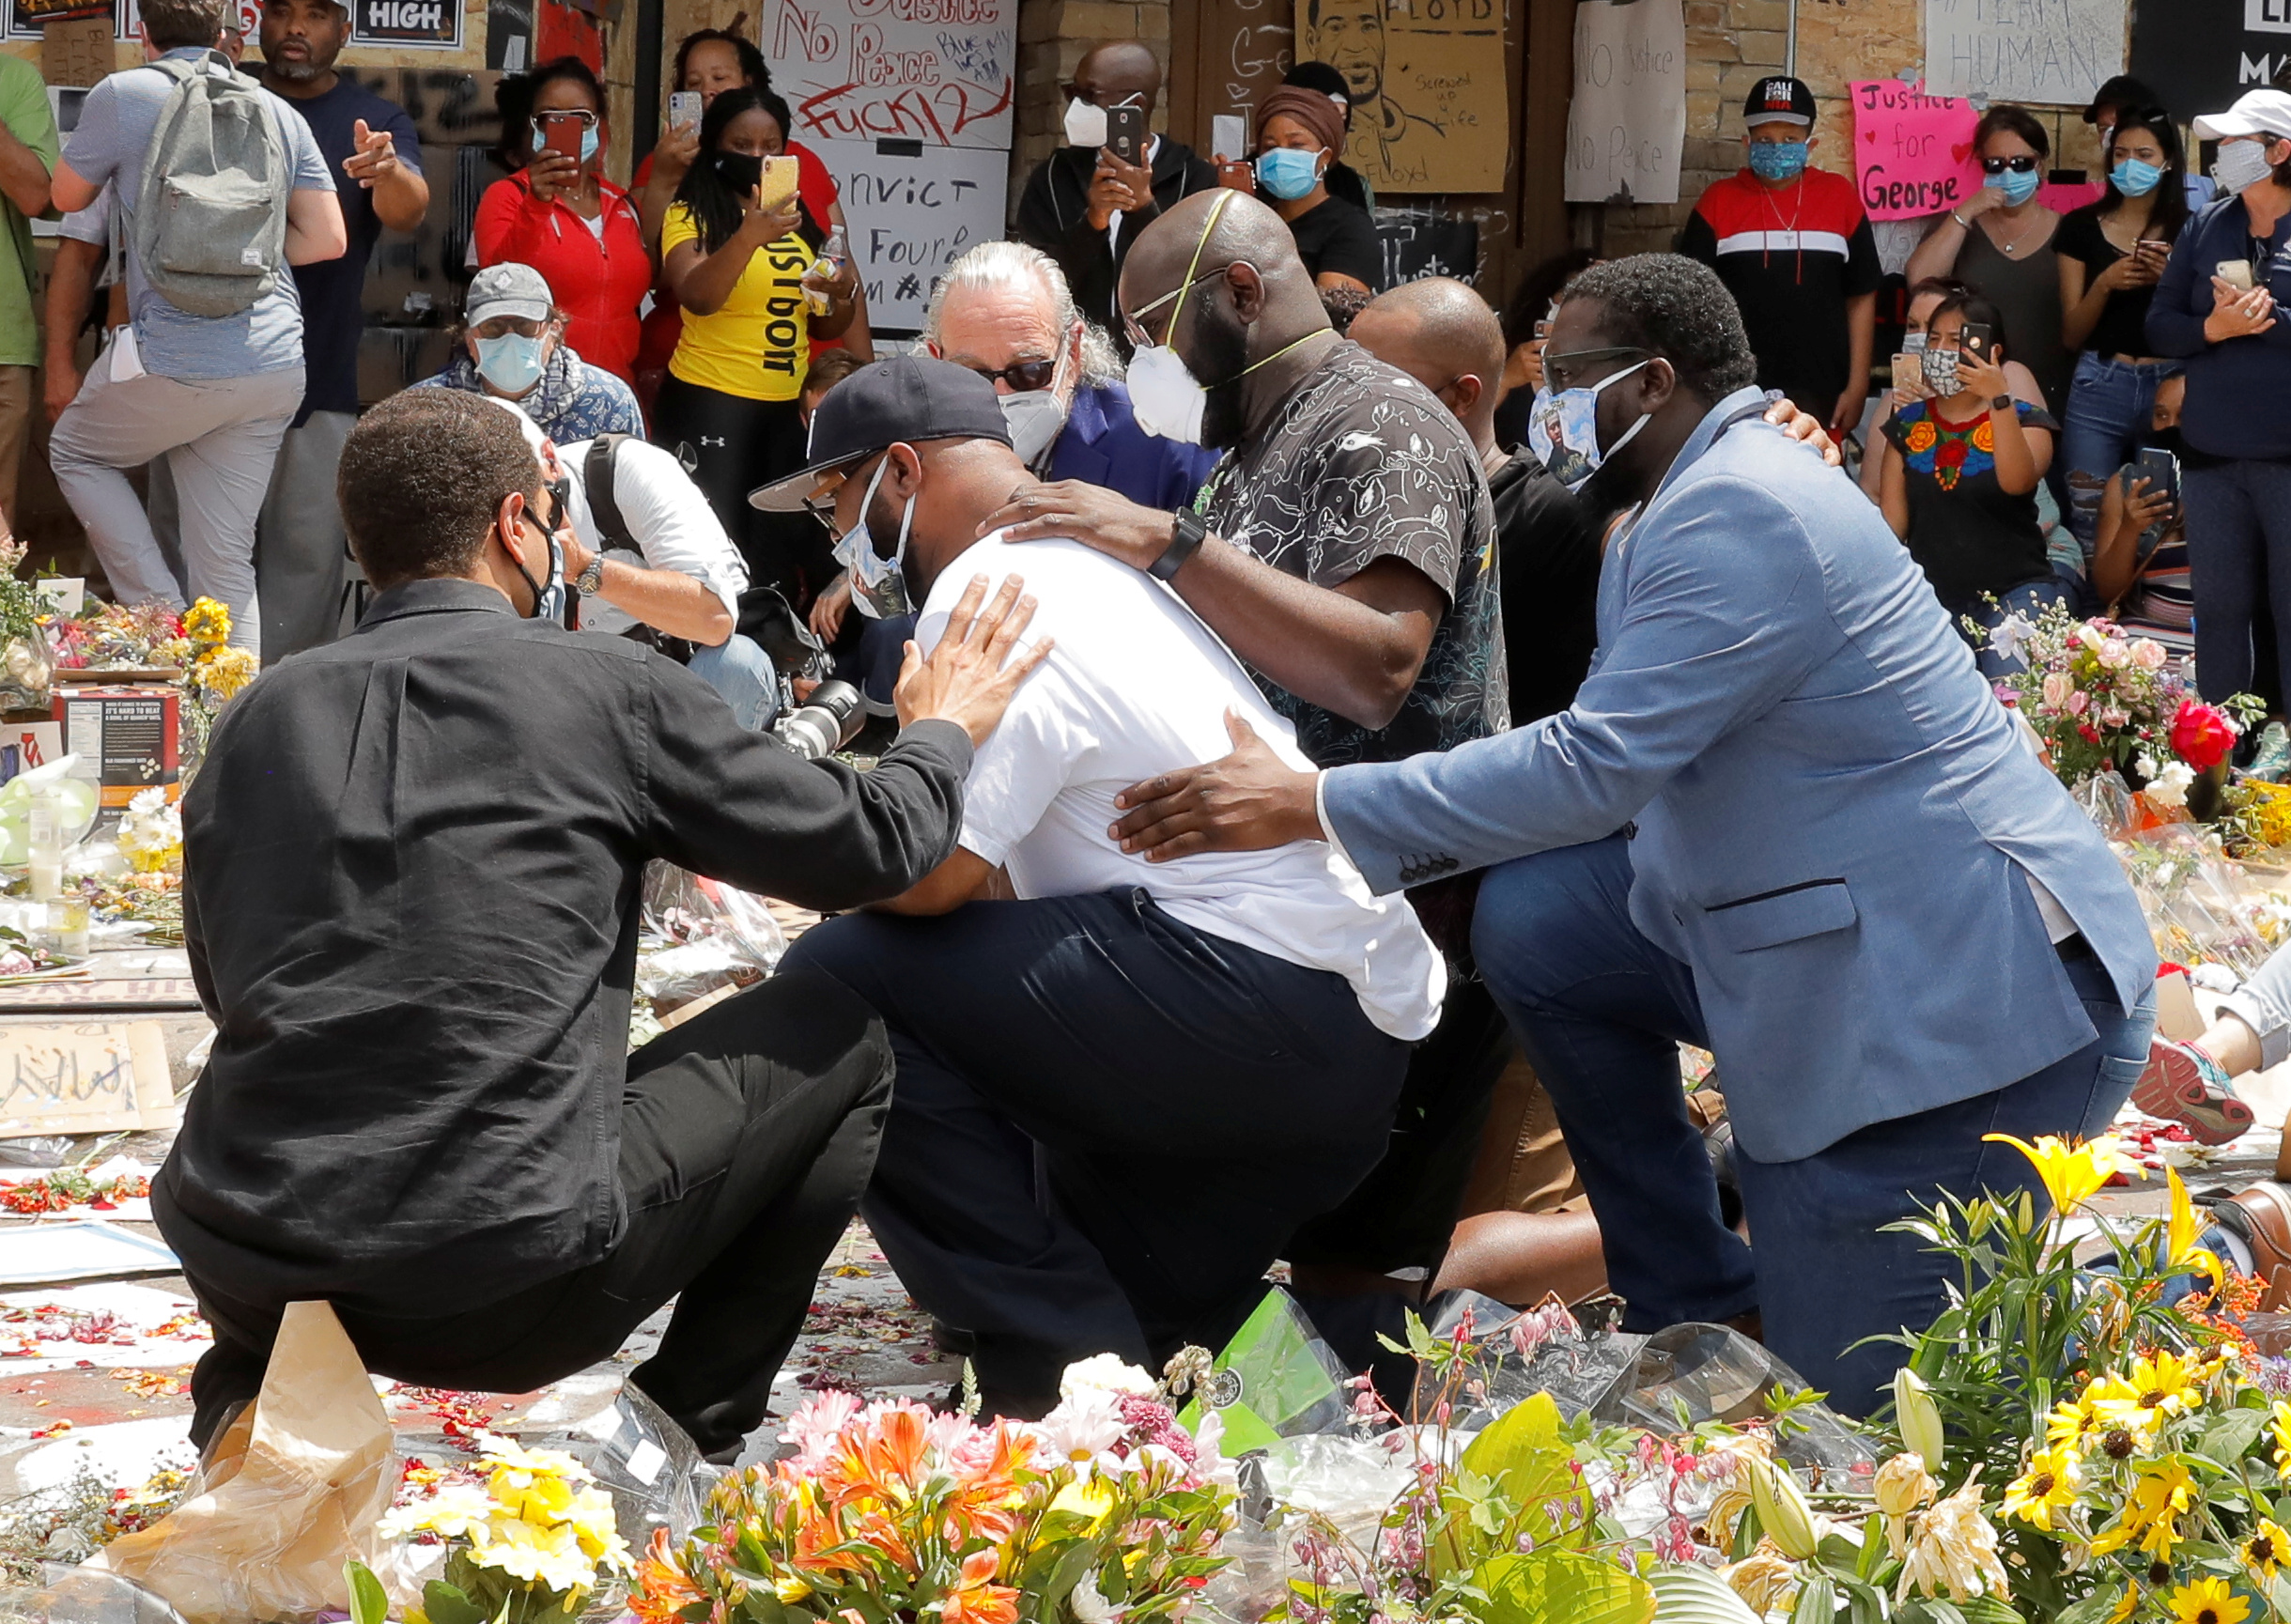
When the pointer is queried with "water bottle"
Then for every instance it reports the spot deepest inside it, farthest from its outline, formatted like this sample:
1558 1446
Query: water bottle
833 257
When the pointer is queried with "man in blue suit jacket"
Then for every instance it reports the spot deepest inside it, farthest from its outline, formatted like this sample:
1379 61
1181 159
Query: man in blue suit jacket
1784 819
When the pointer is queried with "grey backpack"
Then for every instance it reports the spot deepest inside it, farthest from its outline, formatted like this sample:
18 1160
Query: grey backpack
210 224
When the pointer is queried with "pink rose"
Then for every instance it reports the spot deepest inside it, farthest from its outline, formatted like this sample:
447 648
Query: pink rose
2057 687
2078 703
2149 655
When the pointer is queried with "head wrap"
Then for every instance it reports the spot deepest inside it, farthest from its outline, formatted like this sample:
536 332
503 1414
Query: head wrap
1311 109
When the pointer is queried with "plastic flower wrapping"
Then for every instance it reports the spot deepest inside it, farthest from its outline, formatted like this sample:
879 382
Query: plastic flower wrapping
1105 1509
2101 698
529 1531
108 635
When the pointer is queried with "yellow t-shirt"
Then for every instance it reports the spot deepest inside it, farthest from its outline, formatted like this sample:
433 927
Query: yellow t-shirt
758 346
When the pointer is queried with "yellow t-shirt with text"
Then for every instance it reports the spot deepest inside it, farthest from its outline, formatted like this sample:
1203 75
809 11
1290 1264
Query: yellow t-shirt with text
758 345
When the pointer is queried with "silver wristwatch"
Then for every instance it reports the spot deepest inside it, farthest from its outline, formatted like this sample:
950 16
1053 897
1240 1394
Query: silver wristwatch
589 580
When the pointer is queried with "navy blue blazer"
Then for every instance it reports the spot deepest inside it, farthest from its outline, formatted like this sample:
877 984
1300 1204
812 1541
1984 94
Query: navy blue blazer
1102 445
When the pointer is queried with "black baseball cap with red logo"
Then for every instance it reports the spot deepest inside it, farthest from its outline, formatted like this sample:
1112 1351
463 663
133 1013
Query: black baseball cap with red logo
1780 99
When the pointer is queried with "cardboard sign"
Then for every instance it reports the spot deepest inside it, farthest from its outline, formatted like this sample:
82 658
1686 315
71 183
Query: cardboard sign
1627 122
1431 112
1912 153
91 1078
2054 53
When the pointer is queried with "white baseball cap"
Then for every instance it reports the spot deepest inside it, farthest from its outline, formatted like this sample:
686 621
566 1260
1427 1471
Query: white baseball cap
2255 112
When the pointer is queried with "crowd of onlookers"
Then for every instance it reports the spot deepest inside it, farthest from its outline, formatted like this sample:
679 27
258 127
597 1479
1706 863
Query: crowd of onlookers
2080 406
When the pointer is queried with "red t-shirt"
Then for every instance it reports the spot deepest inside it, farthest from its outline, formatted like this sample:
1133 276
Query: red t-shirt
598 278
665 325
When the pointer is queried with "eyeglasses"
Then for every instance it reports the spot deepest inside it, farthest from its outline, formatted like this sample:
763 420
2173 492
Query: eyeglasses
1559 370
2019 165
580 115
501 326
1130 318
1023 376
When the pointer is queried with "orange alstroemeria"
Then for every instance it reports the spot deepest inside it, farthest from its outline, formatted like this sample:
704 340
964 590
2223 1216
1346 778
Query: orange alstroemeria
986 1502
817 1548
883 1462
977 1600
660 1591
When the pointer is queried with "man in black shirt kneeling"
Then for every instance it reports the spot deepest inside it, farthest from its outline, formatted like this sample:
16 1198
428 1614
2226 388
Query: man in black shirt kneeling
413 867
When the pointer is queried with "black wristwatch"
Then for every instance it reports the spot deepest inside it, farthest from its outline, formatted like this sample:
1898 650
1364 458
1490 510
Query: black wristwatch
1185 539
2002 403
589 580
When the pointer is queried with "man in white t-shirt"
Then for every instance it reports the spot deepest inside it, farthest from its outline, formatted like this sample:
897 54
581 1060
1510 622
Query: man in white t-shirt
647 548
1121 1086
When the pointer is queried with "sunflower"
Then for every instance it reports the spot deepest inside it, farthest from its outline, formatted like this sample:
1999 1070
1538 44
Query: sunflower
2268 1546
2151 1512
2072 1424
2048 1485
2208 1602
2157 1388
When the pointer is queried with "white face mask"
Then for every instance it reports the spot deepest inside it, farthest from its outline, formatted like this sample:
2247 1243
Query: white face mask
1563 429
1085 123
1166 396
1035 418
2241 164
878 585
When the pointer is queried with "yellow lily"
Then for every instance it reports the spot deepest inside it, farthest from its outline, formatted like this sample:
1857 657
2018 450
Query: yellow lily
2180 1232
2072 1173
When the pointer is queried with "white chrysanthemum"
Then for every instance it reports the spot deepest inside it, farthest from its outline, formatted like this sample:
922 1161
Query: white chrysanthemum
1106 1373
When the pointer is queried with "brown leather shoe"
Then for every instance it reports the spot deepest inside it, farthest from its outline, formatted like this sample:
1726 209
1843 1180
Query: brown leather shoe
2261 1216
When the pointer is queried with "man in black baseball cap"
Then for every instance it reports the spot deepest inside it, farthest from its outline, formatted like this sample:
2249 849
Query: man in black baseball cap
1202 1053
1793 246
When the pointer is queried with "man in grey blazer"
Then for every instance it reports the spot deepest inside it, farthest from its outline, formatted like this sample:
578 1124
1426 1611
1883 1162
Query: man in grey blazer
1784 819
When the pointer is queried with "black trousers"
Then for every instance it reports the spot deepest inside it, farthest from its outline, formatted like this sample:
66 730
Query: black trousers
746 1135
1106 1122
731 444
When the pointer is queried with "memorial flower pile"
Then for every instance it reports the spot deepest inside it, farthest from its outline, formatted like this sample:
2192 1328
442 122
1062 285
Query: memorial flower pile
2102 699
530 1536
1103 1509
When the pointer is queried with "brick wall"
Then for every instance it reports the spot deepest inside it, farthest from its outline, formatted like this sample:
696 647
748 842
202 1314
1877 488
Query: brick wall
1053 37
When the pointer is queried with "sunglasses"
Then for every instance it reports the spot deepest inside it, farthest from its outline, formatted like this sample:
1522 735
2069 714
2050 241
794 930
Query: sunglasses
2019 165
1023 376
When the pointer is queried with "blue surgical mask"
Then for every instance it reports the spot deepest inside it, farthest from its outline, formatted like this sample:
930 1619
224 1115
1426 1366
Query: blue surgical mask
2018 186
2134 179
590 140
1777 159
1289 173
512 362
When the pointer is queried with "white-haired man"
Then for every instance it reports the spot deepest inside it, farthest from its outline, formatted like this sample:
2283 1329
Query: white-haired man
1005 312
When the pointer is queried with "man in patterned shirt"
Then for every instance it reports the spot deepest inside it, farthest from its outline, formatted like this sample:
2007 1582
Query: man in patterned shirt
1344 549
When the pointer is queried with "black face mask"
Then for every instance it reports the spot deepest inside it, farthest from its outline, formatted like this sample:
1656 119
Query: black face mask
741 171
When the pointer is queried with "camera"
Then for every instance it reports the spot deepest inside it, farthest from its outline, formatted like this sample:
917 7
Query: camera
824 723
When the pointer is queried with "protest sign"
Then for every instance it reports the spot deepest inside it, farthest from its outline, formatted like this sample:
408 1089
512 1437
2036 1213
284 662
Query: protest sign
1627 122
2049 52
909 103
83 1079
2200 58
1431 109
1912 153
913 210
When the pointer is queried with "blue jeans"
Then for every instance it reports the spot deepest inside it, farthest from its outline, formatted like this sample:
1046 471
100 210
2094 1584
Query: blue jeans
2239 532
2029 599
2109 403
1601 1011
739 668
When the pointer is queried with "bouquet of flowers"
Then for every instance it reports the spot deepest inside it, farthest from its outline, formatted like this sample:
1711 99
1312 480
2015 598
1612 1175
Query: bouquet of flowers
1105 1509
105 634
530 1534
2102 699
